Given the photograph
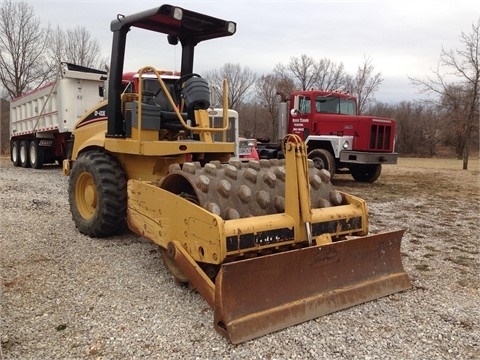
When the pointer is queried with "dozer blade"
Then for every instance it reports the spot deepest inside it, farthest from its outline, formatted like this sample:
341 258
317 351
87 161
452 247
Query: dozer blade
258 296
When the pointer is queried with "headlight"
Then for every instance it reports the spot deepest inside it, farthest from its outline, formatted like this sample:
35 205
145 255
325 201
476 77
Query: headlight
346 145
252 142
231 27
177 13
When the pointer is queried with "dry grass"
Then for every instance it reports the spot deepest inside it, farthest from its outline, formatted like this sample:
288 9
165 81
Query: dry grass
439 205
434 177
440 163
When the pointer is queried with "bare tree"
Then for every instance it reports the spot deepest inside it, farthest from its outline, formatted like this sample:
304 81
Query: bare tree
452 107
76 46
285 81
252 122
330 76
462 95
306 73
416 131
302 69
267 96
364 84
23 43
382 109
239 83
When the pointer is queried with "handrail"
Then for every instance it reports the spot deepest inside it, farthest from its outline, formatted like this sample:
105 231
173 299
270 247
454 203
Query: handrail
174 106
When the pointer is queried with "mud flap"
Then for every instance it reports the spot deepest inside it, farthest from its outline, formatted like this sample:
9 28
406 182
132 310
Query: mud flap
258 296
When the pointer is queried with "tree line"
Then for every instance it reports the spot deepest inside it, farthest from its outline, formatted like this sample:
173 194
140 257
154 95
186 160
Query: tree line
256 97
449 117
30 55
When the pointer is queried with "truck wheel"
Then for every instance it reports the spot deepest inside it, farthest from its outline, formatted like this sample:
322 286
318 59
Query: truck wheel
366 173
323 159
36 155
15 153
24 160
97 192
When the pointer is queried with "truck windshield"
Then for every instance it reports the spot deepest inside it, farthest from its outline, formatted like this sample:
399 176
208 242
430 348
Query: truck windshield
151 86
334 105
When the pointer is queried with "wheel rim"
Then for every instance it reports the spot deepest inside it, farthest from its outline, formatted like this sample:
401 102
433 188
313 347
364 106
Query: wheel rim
33 154
86 195
23 154
15 153
318 163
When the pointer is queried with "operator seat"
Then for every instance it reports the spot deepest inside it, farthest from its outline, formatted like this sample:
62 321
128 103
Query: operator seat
168 116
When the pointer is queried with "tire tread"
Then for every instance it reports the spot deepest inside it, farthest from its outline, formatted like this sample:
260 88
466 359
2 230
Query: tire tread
110 179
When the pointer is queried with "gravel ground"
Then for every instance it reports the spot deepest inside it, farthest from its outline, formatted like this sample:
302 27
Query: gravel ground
67 296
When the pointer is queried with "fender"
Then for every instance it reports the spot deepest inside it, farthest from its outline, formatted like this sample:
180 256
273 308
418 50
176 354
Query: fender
338 143
91 135
90 129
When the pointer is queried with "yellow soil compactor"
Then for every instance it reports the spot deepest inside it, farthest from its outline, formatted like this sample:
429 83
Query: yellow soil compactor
268 243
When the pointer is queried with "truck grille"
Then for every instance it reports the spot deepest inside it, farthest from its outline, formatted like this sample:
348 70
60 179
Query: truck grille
380 136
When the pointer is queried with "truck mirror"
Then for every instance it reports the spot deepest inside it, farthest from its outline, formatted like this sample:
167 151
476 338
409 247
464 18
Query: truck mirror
214 98
296 106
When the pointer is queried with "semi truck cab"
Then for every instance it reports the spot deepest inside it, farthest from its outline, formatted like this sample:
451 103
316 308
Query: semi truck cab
338 139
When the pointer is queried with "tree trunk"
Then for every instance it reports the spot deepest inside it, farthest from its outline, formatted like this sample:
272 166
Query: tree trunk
466 150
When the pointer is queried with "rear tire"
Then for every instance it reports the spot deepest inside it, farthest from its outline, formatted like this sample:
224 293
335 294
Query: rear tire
366 173
15 153
323 159
36 155
98 194
24 158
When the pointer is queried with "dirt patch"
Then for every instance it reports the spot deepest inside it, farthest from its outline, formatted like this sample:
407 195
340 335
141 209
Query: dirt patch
439 205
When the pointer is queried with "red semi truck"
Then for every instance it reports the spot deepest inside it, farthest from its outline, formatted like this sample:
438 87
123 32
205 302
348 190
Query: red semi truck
338 139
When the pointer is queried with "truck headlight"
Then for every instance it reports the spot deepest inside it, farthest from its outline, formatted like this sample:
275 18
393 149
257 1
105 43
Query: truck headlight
346 145
252 142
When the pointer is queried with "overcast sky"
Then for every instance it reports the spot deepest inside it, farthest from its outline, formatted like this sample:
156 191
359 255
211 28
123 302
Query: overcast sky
402 37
